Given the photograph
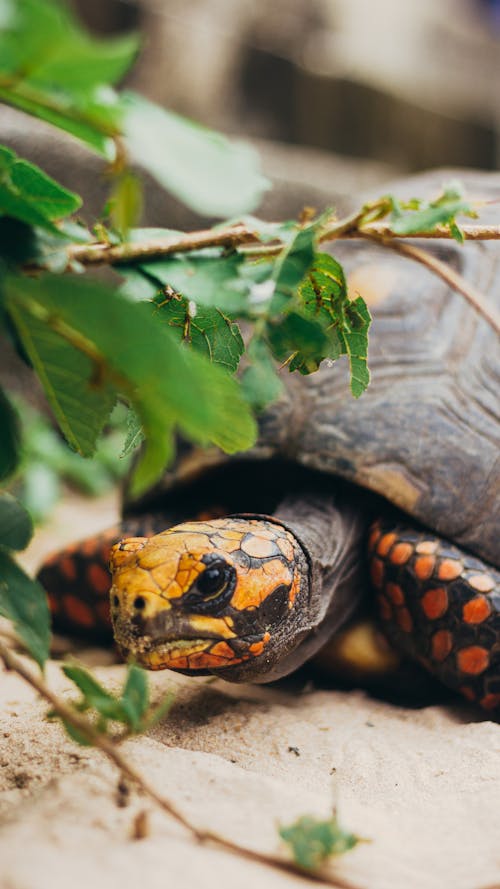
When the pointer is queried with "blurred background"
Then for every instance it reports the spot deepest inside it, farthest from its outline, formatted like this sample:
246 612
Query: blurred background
412 84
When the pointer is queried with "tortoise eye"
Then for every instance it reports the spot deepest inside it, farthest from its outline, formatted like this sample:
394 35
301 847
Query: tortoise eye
213 589
213 579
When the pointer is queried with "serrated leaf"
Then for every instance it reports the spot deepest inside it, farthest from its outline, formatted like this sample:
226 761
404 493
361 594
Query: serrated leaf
428 218
167 385
81 403
260 382
16 527
209 173
23 601
292 267
10 443
28 194
203 328
208 277
355 339
313 841
299 337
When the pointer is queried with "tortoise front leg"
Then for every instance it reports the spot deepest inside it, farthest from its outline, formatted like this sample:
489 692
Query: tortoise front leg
441 606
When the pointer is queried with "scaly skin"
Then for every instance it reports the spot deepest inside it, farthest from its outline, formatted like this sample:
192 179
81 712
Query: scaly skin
437 604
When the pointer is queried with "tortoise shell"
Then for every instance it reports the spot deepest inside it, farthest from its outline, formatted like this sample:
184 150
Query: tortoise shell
426 434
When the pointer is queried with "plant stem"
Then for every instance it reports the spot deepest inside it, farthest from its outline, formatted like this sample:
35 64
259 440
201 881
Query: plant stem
109 748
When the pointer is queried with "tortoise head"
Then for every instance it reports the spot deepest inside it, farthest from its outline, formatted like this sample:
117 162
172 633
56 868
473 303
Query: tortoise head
209 596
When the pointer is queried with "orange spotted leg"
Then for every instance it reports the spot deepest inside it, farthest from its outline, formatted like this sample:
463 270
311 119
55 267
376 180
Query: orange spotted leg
441 607
77 579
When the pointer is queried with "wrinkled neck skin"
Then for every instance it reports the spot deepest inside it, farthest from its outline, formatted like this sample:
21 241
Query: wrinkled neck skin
330 531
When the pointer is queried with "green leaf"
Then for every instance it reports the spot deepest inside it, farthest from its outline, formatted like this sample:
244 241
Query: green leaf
428 218
210 277
324 300
135 435
28 194
166 384
300 337
206 330
209 173
135 696
292 267
313 841
10 444
260 382
81 401
125 202
16 527
157 713
51 68
94 695
23 601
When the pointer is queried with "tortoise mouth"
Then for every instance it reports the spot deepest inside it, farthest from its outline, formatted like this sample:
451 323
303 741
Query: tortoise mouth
163 654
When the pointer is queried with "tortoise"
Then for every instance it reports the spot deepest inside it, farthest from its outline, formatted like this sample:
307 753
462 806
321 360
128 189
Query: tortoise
247 566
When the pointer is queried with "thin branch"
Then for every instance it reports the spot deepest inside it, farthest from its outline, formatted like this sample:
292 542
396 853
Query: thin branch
473 296
109 748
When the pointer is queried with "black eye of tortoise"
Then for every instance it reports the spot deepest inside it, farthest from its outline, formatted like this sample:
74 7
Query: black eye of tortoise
213 588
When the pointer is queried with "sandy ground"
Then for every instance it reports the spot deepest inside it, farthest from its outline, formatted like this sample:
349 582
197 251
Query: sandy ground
423 786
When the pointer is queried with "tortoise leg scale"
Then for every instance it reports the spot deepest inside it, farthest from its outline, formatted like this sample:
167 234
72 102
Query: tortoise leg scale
440 606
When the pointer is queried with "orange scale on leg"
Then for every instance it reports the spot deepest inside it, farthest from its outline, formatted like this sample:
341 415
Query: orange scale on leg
385 608
98 578
490 701
68 568
385 543
377 572
441 645
434 603
404 620
374 536
424 566
401 553
78 612
473 660
476 610
395 593
449 569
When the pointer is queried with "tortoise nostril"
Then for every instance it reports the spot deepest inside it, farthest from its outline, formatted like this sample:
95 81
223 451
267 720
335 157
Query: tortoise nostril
139 603
116 601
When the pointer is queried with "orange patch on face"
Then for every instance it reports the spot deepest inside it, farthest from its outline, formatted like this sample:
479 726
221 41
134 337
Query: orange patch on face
483 583
424 566
404 620
401 553
98 578
450 569
78 612
473 660
395 593
490 702
258 647
434 603
476 610
385 543
377 572
68 568
441 645
426 547
258 547
256 585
